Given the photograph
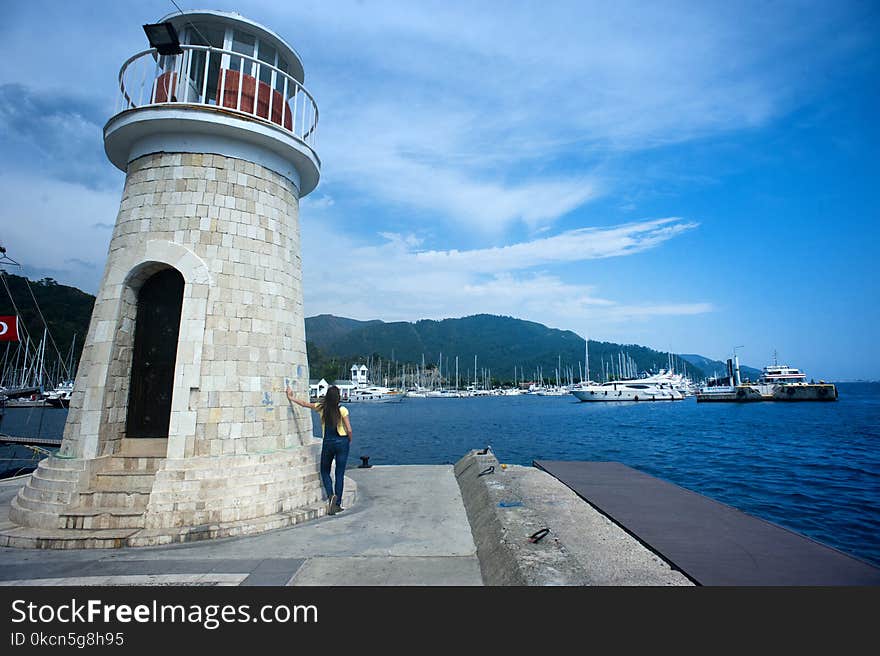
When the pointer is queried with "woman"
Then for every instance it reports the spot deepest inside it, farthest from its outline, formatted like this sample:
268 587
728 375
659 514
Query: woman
336 431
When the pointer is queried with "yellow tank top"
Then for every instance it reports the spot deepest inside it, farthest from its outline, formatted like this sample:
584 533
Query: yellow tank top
340 427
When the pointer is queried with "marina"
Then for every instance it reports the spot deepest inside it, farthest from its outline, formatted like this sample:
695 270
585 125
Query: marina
183 418
812 468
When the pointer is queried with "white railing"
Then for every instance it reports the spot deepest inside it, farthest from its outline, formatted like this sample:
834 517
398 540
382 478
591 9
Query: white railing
221 79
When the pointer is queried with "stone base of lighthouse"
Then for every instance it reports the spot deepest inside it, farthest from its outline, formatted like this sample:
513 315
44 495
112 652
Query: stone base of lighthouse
232 455
137 501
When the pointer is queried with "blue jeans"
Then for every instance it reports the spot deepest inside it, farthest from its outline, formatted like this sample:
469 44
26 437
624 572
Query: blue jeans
334 447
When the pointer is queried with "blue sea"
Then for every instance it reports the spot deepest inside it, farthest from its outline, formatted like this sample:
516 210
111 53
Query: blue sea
811 467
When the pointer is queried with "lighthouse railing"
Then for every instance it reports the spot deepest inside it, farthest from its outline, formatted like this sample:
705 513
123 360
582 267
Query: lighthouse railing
222 79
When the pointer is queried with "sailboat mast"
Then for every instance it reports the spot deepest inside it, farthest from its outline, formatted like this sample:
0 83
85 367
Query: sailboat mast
42 360
587 356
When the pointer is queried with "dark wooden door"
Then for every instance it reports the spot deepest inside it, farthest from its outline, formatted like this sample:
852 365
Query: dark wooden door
155 350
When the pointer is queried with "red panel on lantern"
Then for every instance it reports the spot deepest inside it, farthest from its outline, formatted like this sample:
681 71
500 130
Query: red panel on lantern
248 84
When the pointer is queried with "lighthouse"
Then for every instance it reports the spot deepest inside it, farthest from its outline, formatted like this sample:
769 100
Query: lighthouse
179 427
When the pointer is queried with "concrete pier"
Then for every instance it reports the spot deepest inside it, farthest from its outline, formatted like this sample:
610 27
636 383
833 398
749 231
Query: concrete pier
408 527
411 525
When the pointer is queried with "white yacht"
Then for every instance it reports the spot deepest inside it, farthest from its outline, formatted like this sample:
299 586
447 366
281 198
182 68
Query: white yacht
443 394
552 391
639 389
375 394
665 379
60 396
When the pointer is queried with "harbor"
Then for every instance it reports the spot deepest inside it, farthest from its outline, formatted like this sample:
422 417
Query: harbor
479 522
174 441
807 467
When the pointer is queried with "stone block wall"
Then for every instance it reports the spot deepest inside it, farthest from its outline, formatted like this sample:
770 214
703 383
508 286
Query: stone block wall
237 449
231 228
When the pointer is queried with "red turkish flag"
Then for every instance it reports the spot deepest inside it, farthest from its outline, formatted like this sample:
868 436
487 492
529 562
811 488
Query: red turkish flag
9 329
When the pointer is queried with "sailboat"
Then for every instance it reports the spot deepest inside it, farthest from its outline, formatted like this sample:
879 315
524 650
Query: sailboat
24 373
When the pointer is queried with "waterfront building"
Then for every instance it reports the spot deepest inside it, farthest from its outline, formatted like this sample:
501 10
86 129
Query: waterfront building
318 388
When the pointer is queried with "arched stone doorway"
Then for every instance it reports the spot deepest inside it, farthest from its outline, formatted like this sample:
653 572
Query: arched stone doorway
154 353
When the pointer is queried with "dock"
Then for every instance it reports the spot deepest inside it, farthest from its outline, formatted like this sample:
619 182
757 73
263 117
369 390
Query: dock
477 523
712 543
33 441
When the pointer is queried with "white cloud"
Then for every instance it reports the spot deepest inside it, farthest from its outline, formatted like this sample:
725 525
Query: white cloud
570 246
393 280
57 229
490 117
425 162
318 203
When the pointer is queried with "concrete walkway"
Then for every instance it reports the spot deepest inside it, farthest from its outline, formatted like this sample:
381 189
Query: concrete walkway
409 527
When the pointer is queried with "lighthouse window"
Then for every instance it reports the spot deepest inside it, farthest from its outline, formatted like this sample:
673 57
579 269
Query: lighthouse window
279 79
266 54
204 35
243 43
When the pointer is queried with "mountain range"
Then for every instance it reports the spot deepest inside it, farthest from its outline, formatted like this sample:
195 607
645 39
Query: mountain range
512 349
508 348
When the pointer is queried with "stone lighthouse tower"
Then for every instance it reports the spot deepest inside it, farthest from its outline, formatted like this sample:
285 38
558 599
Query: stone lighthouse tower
179 427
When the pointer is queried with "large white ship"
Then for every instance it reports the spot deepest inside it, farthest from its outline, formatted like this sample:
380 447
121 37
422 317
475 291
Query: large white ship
653 388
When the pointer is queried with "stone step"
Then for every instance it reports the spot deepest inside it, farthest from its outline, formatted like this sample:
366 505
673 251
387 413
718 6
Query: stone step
161 536
63 463
143 464
47 472
24 537
40 505
121 481
51 484
268 477
237 461
30 517
47 496
107 499
102 518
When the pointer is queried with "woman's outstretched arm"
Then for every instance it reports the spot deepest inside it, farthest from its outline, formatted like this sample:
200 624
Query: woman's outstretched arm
304 404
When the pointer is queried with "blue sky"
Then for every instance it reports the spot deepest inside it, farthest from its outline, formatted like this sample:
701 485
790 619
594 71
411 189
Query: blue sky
689 176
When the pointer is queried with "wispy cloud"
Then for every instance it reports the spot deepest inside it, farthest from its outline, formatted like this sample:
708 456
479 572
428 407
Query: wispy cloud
464 115
51 232
570 246
56 134
395 280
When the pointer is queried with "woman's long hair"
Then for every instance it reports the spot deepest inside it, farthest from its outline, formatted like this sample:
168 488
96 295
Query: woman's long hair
329 408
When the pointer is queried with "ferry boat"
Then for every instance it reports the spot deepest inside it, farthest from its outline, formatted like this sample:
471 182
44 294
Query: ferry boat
784 383
777 382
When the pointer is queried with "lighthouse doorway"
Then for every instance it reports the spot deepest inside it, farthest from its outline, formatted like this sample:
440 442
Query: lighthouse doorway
155 350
